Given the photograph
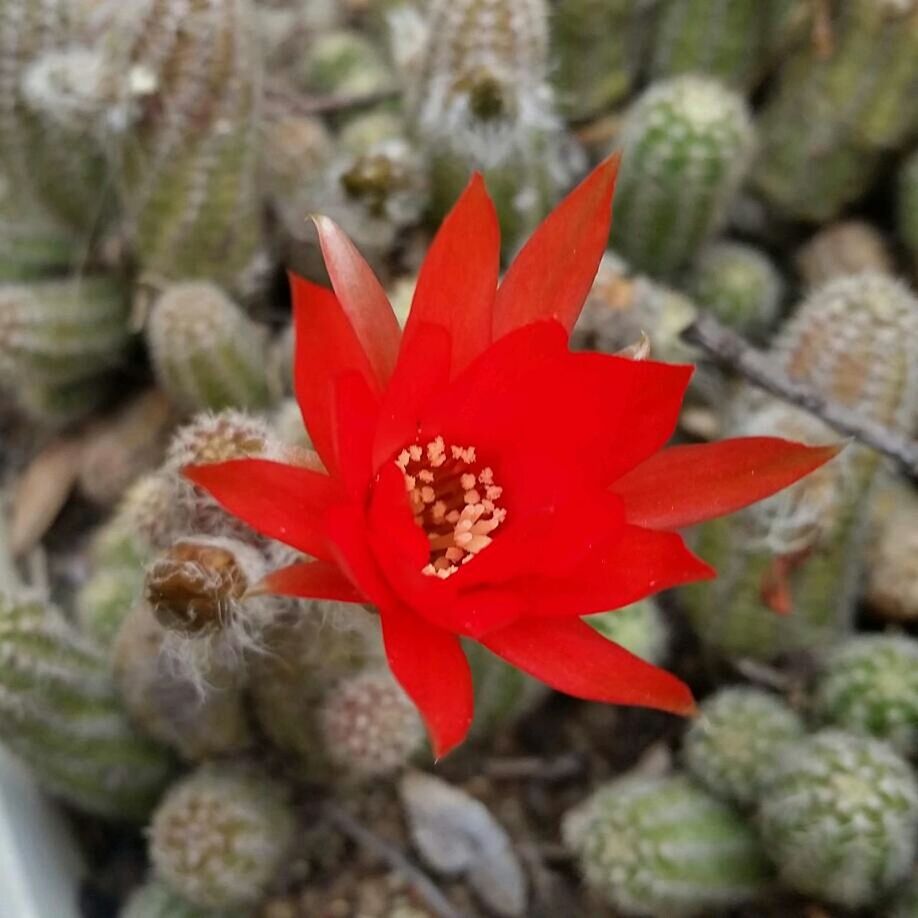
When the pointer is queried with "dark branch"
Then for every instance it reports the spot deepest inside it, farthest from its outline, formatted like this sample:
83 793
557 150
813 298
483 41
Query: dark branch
729 349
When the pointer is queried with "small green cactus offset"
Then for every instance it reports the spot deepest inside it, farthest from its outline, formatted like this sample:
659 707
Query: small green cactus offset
736 740
59 712
686 145
664 848
640 628
221 834
839 817
869 685
206 352
156 900
739 284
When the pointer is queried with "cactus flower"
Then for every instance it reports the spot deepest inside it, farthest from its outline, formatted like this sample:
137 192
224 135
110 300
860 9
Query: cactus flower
480 479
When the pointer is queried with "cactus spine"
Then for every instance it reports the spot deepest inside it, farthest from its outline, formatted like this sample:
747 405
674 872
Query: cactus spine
686 145
206 352
59 713
664 848
839 818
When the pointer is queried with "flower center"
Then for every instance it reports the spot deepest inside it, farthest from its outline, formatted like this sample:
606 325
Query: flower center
454 500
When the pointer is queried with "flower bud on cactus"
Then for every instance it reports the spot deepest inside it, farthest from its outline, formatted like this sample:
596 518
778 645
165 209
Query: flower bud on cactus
187 151
686 145
839 817
892 555
869 685
156 900
831 116
664 848
855 341
57 332
727 39
640 628
206 352
60 714
369 725
736 740
167 705
907 205
220 835
738 284
843 248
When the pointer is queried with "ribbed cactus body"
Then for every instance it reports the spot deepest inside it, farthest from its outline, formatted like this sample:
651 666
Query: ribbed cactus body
831 116
60 714
664 848
206 352
739 284
726 39
593 66
220 835
107 597
855 340
685 148
640 628
156 900
735 741
842 248
907 205
869 685
839 817
62 331
892 555
187 163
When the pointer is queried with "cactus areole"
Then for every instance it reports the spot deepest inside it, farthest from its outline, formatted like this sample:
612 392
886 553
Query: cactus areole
483 480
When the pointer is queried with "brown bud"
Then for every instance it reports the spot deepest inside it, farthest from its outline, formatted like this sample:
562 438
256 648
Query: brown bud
192 586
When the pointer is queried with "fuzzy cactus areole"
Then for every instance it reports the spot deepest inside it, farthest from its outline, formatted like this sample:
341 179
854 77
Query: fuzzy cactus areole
483 481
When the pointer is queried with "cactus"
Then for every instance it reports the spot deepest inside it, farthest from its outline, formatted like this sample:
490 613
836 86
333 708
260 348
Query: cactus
57 332
831 116
686 144
344 62
60 714
221 834
640 628
736 740
839 817
593 66
105 600
156 900
60 405
199 722
842 248
187 151
369 726
206 353
664 848
739 284
905 902
907 205
892 555
480 100
869 685
800 550
726 39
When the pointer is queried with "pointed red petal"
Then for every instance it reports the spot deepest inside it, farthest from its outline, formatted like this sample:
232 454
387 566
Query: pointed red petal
631 564
423 369
573 658
362 298
458 279
311 580
356 414
283 502
326 347
432 668
684 485
553 273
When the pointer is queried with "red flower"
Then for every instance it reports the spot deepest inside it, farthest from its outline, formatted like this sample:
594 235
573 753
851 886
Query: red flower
484 481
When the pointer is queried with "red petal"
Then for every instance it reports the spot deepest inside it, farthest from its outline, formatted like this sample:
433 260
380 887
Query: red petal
356 414
573 658
283 502
362 298
631 564
553 273
311 580
685 485
423 369
432 668
326 347
458 279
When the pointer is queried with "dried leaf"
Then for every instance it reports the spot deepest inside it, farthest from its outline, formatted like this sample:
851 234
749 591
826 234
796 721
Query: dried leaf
456 834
